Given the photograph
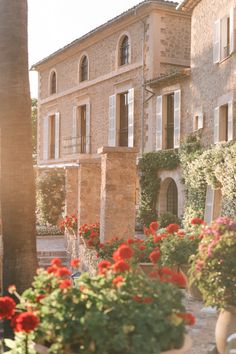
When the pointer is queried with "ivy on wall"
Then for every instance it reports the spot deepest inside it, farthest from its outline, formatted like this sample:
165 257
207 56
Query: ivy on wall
149 165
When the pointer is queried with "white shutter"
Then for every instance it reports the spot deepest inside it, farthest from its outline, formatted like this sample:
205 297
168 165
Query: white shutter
200 120
232 24
216 125
177 117
57 135
112 121
45 138
74 130
159 123
216 42
209 205
131 118
230 121
88 130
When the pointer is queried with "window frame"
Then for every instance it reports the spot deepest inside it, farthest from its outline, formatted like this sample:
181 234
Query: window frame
82 68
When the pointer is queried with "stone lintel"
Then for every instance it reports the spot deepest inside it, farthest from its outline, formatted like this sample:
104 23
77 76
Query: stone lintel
118 149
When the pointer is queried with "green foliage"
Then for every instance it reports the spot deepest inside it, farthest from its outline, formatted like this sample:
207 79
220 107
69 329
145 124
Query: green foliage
50 196
98 316
189 152
45 230
213 268
168 218
149 165
34 107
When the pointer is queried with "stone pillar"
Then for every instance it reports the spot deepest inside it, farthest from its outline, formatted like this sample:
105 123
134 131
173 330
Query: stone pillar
71 202
117 216
89 188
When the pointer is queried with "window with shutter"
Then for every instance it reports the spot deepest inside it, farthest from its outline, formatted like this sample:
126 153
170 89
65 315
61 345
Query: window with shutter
88 133
74 139
57 135
230 121
216 42
198 121
159 122
131 118
232 30
46 138
112 121
216 124
177 117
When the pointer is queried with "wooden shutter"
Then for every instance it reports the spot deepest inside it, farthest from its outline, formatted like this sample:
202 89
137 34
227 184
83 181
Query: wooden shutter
112 121
209 205
159 123
216 42
88 130
224 50
131 118
230 121
45 138
177 117
216 124
232 24
74 138
200 120
57 135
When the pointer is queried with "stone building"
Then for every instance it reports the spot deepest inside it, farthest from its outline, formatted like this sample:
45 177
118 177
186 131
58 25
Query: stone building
207 89
92 93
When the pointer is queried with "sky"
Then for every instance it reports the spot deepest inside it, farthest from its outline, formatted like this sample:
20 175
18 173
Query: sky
54 23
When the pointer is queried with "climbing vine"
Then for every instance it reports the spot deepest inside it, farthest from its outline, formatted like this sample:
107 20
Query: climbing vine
149 165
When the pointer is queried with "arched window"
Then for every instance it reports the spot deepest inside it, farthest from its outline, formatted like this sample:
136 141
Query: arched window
53 83
172 198
84 69
124 51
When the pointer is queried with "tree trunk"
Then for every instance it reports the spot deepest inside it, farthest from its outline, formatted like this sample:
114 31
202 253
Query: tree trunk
17 175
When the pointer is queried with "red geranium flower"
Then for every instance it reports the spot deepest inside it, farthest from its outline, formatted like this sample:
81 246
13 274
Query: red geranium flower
62 272
64 284
188 318
172 228
153 227
51 269
103 266
147 300
74 263
56 262
137 298
118 280
7 307
121 266
125 252
155 255
179 279
197 221
25 322
40 297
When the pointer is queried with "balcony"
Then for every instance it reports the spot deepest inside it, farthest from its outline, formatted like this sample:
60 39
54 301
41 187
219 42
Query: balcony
75 145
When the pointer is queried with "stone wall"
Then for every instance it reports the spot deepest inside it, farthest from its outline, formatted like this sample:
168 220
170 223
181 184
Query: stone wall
71 205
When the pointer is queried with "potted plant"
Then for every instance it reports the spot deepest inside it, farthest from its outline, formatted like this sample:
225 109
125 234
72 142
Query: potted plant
117 311
213 269
69 224
90 234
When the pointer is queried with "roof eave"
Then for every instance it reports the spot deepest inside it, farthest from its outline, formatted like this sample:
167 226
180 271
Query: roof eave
187 5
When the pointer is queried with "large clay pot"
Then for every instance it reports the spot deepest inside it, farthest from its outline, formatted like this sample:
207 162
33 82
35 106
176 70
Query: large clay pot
225 326
192 289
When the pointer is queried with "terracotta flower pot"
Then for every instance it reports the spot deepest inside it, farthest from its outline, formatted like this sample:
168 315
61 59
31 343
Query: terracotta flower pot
192 289
225 326
148 268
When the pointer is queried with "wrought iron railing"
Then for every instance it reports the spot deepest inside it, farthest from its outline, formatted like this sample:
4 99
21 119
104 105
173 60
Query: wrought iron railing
76 145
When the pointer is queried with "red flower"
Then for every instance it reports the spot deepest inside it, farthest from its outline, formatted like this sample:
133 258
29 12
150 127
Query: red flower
172 228
181 233
153 227
52 269
155 255
62 272
121 266
147 300
137 298
179 279
25 322
103 266
188 318
118 280
125 252
197 221
130 241
142 248
64 284
40 297
156 239
74 263
7 307
116 256
56 262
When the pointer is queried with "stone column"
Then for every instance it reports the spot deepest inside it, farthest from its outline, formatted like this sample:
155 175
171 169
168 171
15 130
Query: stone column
89 188
117 216
71 202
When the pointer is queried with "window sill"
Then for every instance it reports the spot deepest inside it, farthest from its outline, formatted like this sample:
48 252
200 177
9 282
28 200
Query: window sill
224 59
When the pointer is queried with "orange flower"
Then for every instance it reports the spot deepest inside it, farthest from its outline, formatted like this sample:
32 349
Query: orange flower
103 266
121 266
155 255
74 263
118 280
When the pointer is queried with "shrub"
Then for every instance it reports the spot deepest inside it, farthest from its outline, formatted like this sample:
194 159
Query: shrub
168 218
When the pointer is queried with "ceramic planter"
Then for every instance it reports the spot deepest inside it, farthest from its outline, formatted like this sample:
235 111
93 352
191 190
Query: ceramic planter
225 326
192 289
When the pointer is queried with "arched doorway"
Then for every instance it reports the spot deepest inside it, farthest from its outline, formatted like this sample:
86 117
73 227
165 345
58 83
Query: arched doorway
172 198
168 197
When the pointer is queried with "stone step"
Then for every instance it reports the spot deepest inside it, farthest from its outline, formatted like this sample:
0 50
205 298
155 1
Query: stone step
53 254
46 261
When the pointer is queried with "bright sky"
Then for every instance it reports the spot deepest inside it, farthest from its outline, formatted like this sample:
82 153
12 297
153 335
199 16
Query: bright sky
55 23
